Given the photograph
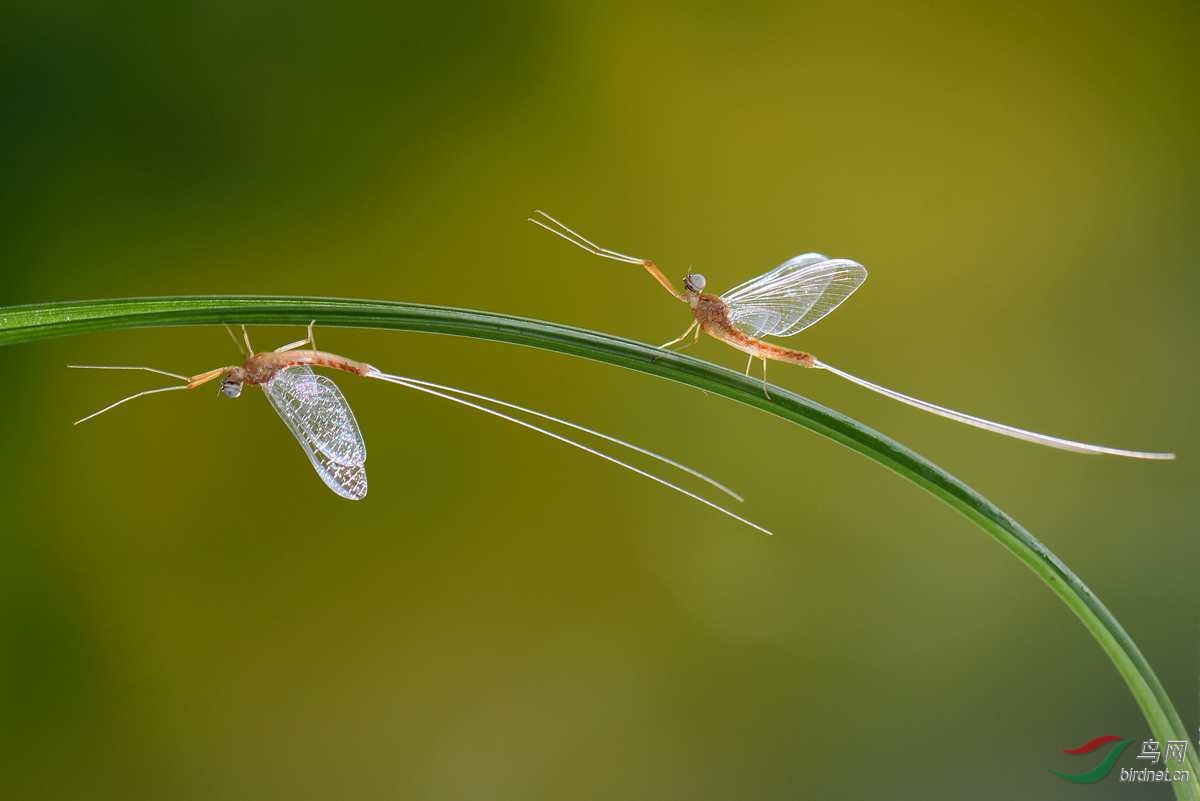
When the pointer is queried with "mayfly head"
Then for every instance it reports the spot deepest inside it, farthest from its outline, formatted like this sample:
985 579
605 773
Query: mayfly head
231 382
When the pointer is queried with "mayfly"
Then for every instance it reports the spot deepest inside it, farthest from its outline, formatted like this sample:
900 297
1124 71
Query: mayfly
317 414
785 301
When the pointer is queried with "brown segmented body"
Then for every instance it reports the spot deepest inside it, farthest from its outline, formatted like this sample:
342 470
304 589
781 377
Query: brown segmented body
713 316
259 368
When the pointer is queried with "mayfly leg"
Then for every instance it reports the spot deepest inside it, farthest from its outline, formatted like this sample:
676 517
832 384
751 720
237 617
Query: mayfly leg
299 343
233 336
127 367
693 327
128 398
579 240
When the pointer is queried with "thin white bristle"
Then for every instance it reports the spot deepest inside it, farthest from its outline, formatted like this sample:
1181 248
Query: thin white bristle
421 387
615 440
990 425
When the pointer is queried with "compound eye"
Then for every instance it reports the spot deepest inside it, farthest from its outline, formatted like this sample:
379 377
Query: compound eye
232 389
695 282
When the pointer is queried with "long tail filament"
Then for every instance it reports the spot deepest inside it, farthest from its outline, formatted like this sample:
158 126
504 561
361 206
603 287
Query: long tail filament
989 425
461 397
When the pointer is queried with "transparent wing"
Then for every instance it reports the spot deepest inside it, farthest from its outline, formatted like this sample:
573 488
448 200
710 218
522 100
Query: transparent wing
317 414
794 295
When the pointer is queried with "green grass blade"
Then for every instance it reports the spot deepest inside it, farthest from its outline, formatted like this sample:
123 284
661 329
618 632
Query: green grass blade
30 323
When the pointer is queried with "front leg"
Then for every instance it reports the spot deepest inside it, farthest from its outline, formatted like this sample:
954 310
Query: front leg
695 325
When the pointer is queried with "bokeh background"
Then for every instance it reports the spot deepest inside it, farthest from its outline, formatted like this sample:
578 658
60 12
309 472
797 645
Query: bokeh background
186 612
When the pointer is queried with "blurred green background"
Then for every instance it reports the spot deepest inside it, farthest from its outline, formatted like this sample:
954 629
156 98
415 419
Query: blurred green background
186 612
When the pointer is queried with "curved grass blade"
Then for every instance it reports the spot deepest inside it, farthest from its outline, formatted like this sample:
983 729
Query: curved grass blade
42 321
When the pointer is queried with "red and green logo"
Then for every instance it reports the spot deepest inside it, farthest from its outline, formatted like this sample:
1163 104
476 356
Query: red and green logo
1100 771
